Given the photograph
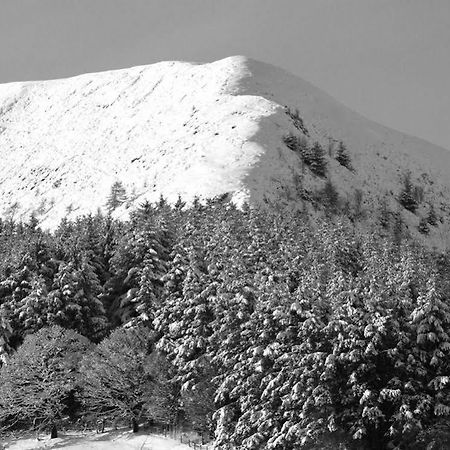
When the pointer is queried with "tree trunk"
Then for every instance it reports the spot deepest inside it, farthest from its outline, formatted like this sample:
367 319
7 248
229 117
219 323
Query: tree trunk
134 425
54 432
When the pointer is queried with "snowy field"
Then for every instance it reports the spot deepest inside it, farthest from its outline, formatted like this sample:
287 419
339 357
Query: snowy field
114 440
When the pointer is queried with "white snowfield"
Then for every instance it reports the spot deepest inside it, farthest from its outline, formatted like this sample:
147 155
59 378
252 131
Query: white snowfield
177 128
107 441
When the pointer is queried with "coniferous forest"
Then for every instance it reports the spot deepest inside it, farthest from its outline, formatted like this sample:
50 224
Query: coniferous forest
264 330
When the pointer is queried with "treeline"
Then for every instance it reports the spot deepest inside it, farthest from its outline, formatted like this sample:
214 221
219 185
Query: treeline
265 329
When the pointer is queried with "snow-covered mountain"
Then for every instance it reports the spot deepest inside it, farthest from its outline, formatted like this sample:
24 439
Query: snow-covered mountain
177 128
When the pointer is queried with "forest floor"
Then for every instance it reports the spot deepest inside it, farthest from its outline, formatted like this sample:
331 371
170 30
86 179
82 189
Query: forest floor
114 440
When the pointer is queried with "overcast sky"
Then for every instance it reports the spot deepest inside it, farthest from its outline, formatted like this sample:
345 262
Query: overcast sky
388 59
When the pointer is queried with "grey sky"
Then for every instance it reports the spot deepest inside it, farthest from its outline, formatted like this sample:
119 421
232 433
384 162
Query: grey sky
388 59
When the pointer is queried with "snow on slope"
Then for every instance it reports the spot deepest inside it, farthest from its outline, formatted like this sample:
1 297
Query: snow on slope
176 128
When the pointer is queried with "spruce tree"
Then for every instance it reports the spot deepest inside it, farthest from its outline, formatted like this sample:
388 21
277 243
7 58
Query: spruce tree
407 197
116 197
342 156
316 160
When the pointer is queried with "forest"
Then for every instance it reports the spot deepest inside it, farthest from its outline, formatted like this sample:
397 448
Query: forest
263 329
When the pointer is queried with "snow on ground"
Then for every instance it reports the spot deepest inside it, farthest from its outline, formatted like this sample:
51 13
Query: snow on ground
177 128
112 440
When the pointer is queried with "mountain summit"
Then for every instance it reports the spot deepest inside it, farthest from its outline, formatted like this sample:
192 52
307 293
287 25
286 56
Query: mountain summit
199 130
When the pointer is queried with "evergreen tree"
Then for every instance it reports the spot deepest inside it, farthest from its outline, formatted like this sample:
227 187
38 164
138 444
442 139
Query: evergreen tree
342 156
330 197
316 160
117 196
74 301
407 197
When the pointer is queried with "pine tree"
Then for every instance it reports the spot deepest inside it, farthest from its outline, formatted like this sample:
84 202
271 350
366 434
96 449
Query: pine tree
316 160
291 141
407 196
74 301
116 197
330 197
342 156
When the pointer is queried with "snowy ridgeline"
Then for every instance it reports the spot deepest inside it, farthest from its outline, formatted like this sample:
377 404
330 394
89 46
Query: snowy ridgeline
176 128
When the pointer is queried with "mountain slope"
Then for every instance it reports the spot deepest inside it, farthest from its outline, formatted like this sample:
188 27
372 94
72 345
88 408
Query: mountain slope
176 128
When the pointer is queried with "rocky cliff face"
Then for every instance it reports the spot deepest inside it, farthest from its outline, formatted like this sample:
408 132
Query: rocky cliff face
177 128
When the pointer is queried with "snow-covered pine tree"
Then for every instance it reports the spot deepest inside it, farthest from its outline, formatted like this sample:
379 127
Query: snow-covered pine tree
73 301
117 196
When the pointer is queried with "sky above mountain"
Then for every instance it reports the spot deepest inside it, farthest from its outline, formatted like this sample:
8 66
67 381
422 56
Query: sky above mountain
386 59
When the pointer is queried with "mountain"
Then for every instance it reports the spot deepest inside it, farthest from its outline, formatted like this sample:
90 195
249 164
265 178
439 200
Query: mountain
177 128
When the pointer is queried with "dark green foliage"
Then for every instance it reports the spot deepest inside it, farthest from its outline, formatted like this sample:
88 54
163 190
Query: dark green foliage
315 159
358 204
423 226
291 142
409 197
297 120
330 197
342 156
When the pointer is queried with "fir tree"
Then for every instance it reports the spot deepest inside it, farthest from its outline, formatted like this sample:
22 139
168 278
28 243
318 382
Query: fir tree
117 196
342 156
74 301
316 160
407 197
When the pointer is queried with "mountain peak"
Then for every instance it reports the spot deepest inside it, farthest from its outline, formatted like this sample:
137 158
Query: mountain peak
184 129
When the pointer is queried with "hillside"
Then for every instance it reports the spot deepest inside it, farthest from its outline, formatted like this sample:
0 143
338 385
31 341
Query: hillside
176 128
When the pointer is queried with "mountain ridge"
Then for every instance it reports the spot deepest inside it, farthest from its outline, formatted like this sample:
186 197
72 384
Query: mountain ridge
178 128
